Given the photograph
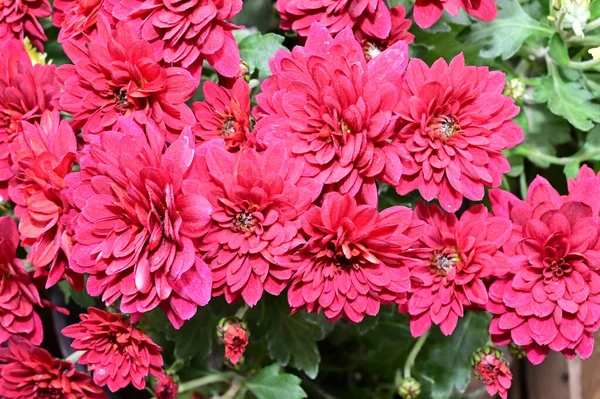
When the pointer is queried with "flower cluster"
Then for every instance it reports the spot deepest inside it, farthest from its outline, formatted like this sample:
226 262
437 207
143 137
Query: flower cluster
153 203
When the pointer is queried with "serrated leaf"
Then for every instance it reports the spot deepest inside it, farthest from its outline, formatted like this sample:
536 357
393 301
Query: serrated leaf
268 383
558 50
505 35
293 339
447 360
258 49
569 100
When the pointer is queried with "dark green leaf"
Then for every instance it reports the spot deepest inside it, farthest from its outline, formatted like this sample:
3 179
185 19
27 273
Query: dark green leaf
505 35
447 360
558 51
195 338
258 49
82 299
268 383
293 339
259 13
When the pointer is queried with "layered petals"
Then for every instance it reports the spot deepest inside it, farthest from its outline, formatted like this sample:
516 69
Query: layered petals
20 19
428 12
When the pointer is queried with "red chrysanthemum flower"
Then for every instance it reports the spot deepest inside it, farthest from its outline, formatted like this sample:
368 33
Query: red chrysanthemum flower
19 19
118 74
334 110
26 91
550 299
257 200
372 17
135 230
115 351
373 46
225 114
449 265
76 18
18 294
186 33
44 154
166 388
454 123
428 12
490 366
354 259
234 335
27 372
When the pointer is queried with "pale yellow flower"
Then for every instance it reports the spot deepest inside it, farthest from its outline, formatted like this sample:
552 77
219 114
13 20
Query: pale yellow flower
37 57
595 53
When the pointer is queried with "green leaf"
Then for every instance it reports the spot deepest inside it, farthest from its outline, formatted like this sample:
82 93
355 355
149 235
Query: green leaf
195 338
595 10
447 360
505 35
268 383
293 339
82 299
569 100
258 13
258 49
558 51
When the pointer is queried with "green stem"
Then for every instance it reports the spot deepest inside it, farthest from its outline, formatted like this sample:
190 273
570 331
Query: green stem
592 25
559 161
592 41
583 65
74 357
242 311
209 379
412 356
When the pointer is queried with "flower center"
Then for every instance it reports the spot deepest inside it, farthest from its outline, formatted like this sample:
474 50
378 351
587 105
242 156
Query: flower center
556 269
121 97
445 127
244 222
371 50
442 262
228 129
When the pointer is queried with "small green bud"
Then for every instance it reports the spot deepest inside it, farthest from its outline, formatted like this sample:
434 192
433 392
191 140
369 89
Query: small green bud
515 89
409 388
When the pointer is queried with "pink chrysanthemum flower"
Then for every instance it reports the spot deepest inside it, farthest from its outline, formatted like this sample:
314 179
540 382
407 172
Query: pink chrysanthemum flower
257 200
373 46
354 259
234 335
490 366
18 295
27 372
26 91
115 351
224 114
136 228
372 17
118 74
334 110
76 18
20 19
186 33
428 12
454 123
550 299
44 154
449 265
166 388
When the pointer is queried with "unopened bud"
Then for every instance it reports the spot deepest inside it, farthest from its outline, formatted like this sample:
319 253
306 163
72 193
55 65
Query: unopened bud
409 388
234 334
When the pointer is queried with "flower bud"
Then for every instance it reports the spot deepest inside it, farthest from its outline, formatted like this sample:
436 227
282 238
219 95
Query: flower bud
234 334
490 366
576 14
166 388
409 388
515 89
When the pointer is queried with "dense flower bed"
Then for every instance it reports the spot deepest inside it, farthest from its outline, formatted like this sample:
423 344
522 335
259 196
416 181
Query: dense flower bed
296 198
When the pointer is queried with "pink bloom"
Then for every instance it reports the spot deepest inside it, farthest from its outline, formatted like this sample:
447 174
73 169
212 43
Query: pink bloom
257 201
427 12
354 258
372 17
25 93
234 335
19 19
186 32
373 46
334 110
490 366
76 18
27 372
18 295
115 352
118 74
450 263
550 298
454 123
44 155
225 114
166 388
136 228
